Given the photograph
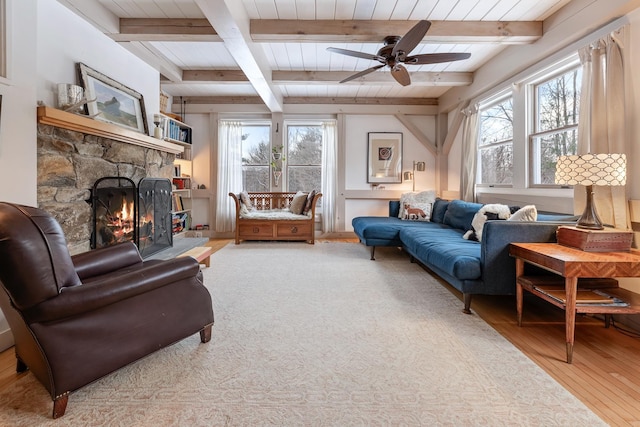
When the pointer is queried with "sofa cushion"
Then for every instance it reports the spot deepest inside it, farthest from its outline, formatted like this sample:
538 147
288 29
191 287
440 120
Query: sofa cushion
460 214
445 248
246 201
438 210
381 228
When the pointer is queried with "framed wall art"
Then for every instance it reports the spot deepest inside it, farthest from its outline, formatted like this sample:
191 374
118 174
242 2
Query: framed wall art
384 157
112 102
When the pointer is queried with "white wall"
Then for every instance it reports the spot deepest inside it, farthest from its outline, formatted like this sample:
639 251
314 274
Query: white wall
18 117
65 39
17 123
45 40
358 197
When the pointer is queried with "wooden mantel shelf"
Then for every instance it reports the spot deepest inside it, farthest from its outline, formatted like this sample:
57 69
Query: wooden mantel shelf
62 119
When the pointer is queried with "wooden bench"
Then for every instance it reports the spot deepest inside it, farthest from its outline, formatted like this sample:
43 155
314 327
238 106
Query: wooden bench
201 254
302 228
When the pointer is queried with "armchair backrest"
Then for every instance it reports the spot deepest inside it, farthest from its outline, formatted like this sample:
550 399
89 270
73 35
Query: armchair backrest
35 263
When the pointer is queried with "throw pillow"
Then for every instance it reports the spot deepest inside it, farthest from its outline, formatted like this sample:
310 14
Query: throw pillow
246 201
485 213
526 213
423 201
417 211
298 202
438 211
309 202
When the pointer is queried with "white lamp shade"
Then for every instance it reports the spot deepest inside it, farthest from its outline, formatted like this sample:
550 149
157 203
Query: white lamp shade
592 169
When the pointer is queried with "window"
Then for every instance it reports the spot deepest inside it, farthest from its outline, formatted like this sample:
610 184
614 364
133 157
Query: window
556 105
256 155
304 157
495 143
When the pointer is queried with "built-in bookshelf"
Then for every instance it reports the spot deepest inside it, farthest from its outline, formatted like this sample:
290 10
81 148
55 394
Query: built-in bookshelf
180 133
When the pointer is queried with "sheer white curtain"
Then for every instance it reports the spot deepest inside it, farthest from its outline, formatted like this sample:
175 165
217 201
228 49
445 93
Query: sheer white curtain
602 127
329 175
469 154
229 173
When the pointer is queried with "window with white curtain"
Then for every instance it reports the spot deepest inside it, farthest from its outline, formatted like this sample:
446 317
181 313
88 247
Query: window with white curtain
554 122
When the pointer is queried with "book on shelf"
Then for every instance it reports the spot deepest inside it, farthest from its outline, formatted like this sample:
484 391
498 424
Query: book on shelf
583 296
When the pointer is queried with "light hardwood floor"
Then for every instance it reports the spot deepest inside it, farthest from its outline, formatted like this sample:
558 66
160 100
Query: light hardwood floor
605 373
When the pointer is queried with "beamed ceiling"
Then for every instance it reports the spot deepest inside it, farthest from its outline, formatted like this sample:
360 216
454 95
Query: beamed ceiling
274 52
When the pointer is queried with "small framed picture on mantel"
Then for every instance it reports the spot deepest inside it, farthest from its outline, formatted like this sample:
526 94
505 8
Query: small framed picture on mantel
384 157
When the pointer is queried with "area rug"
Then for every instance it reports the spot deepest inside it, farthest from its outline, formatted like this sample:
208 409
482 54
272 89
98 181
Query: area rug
319 335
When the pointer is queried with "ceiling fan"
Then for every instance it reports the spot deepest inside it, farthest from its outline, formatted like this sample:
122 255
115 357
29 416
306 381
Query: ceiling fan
395 52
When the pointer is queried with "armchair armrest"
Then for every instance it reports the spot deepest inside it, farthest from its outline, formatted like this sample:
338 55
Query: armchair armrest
104 260
76 300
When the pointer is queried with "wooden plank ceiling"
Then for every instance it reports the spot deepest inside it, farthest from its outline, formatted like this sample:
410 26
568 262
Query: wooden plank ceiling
275 51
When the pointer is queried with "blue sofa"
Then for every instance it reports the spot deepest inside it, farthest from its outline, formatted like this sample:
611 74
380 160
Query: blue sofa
469 266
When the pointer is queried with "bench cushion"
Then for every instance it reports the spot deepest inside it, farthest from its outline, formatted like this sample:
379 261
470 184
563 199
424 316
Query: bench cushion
273 214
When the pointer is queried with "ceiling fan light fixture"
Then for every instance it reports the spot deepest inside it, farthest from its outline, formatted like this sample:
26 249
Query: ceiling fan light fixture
396 51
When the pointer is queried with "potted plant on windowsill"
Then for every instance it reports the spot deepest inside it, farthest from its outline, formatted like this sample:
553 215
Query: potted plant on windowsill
276 163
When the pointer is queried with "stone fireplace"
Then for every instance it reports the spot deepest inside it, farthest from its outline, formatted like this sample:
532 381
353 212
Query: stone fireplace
71 161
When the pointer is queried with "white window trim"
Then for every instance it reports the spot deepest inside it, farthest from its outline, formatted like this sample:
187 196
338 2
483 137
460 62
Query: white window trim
489 102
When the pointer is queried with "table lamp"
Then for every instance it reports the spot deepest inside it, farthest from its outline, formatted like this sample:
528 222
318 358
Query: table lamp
590 170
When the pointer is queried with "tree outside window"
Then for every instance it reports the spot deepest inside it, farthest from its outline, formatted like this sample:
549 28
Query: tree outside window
304 157
495 143
556 107
256 156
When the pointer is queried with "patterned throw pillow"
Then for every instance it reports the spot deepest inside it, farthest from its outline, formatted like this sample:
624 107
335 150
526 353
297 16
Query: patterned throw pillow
526 213
298 202
246 201
307 205
417 206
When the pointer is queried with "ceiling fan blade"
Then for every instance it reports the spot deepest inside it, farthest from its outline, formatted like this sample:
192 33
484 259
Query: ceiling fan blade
409 41
356 54
362 73
401 75
433 58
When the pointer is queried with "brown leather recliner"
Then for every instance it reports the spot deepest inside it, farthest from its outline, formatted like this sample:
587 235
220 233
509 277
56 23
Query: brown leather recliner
77 319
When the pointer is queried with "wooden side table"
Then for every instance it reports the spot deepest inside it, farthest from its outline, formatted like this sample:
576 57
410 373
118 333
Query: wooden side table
573 264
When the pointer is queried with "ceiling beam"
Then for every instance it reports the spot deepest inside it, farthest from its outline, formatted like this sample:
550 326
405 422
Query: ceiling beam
323 77
196 100
285 30
231 22
361 101
417 78
214 76
165 29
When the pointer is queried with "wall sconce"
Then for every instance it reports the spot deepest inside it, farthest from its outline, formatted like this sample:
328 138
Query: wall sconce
410 176
590 170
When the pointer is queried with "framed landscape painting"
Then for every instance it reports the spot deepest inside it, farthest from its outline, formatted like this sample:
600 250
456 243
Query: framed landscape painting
384 157
112 102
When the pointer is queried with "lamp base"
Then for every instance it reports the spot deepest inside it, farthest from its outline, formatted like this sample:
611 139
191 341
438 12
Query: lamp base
589 219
